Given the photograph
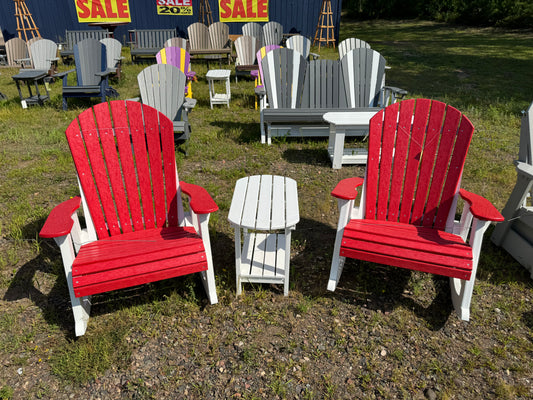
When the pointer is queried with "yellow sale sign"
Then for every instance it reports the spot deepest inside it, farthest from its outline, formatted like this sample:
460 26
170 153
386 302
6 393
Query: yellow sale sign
103 11
243 10
174 7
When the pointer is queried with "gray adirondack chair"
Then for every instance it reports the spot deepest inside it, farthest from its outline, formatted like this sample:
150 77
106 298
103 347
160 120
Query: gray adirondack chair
363 73
272 33
91 72
246 48
516 234
44 55
301 44
114 55
253 29
162 86
349 44
17 53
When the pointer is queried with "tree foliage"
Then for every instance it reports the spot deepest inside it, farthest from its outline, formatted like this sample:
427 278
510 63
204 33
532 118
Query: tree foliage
504 13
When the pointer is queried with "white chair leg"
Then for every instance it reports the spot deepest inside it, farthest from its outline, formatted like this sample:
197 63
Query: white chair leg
462 296
208 276
81 306
337 262
462 290
262 124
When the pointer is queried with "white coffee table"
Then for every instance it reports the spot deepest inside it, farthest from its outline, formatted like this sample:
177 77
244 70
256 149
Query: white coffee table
263 211
340 122
218 75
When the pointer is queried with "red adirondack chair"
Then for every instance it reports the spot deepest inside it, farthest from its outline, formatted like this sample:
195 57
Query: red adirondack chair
416 153
136 228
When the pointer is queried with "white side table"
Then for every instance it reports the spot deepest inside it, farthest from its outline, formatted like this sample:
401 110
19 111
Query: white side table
340 122
263 204
218 75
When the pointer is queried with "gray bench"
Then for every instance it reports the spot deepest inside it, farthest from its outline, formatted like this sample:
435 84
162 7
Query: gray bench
299 93
145 43
73 37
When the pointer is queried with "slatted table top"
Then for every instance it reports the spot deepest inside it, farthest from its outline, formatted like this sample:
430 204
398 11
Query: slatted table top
265 202
353 118
30 74
218 74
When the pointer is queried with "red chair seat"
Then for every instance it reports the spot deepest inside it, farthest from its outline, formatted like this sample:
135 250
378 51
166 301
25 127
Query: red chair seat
136 258
407 246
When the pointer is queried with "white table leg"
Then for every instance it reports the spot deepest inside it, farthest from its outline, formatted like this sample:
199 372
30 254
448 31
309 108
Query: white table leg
338 147
238 260
287 260
228 90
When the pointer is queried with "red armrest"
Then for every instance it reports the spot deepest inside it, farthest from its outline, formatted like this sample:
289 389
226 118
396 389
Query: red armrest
200 202
346 189
480 207
59 222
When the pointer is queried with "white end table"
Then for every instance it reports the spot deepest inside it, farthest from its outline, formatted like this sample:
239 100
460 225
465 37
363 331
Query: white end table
263 204
218 75
340 122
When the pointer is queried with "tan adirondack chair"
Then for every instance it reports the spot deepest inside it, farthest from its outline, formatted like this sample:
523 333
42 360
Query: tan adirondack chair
17 53
246 48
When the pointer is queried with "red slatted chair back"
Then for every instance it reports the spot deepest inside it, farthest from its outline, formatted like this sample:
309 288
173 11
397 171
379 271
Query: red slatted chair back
124 155
417 150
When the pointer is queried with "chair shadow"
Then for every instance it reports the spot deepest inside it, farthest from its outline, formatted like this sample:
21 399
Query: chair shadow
363 284
248 132
308 156
55 303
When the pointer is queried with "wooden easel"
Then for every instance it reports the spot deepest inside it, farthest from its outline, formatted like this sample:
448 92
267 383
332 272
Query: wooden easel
325 22
25 23
205 12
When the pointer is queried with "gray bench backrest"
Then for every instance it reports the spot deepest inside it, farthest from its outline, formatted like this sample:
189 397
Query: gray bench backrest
284 73
152 38
90 58
323 85
162 86
73 37
363 73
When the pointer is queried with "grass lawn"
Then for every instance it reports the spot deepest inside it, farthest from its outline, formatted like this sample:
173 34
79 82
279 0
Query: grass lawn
385 332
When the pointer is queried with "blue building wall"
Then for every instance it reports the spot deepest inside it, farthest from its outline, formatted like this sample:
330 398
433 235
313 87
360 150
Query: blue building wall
53 17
